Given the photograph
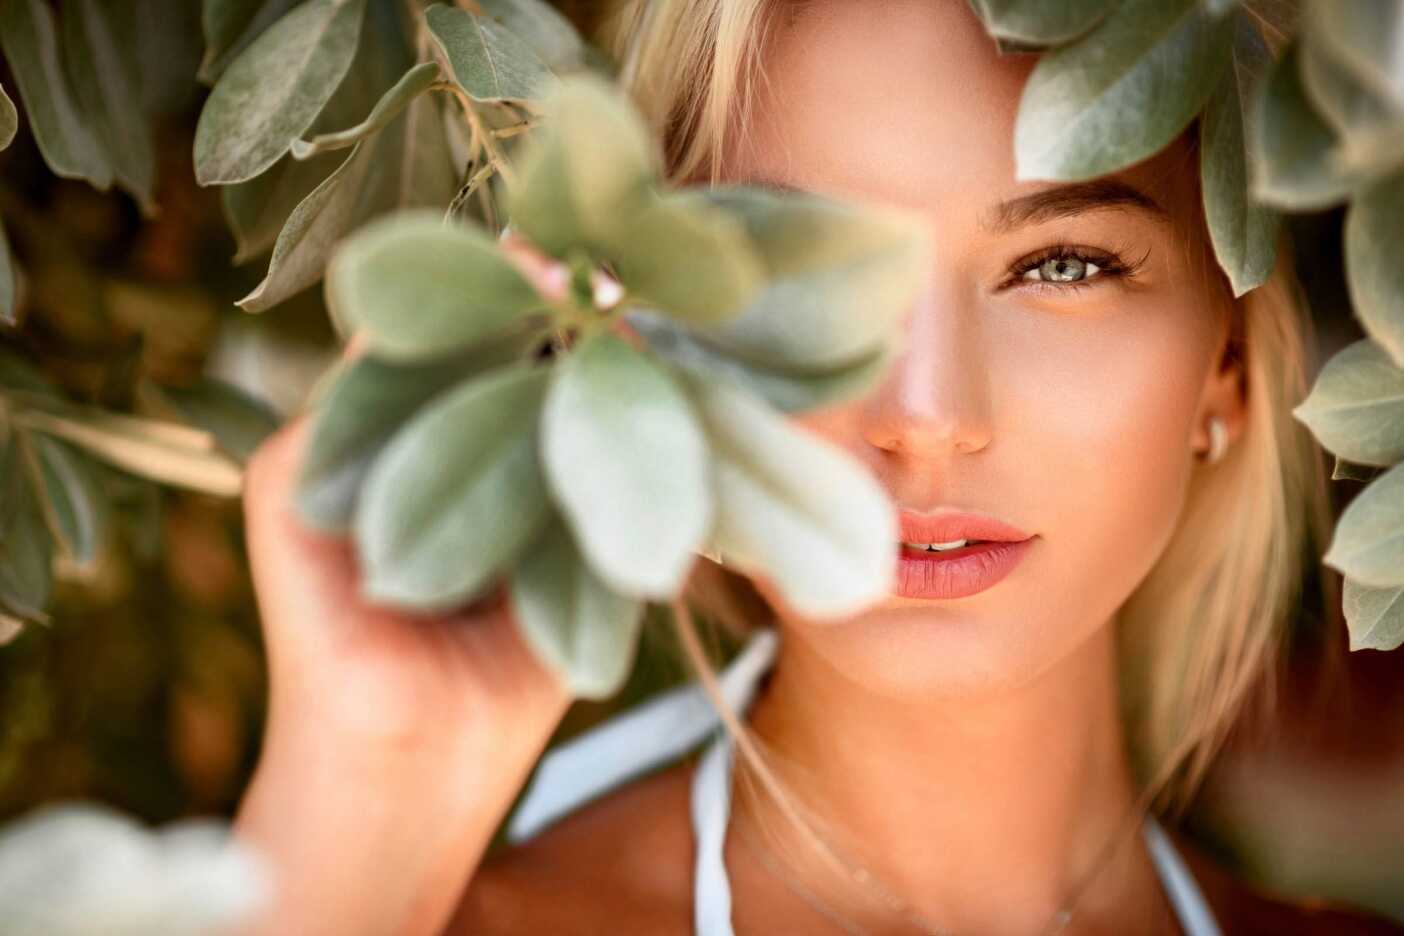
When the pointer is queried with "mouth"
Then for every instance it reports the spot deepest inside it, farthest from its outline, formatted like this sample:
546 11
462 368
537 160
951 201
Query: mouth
953 555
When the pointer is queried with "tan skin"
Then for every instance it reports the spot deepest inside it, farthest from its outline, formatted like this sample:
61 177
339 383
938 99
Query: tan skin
979 763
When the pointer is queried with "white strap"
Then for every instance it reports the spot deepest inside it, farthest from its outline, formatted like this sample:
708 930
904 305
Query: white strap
631 743
711 806
1189 903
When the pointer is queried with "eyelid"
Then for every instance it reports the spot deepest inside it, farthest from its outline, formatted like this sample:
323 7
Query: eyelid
1112 266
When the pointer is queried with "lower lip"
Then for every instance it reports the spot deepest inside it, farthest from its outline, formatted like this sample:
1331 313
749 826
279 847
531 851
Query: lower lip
957 573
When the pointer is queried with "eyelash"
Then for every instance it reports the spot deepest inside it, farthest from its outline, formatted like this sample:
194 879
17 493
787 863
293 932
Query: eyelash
1110 266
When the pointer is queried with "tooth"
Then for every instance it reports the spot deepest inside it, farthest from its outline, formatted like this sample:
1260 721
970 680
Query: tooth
937 547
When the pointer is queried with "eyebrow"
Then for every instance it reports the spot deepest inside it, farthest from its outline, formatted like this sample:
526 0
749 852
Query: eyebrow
1063 201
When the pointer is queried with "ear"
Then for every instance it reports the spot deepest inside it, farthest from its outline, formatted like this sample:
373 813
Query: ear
1225 388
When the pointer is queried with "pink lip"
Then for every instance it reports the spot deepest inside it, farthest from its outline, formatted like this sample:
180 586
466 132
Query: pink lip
959 572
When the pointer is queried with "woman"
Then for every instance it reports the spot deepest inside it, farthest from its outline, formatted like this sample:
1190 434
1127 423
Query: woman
1077 384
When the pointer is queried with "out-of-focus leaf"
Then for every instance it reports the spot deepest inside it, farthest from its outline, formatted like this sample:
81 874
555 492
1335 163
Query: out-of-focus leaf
1373 232
418 287
794 509
103 75
1295 164
1039 23
1368 35
9 312
26 546
544 28
572 620
784 389
456 495
1369 127
823 258
1349 471
272 92
81 510
10 628
1356 408
76 868
238 421
60 127
414 83
487 61
589 161
9 119
1243 231
1374 616
229 27
18 374
627 464
257 209
361 404
1120 93
1368 545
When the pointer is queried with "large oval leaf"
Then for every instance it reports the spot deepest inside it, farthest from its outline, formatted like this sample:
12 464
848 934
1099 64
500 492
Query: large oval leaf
1369 127
79 508
627 463
230 25
418 287
272 92
1368 545
1374 271
1374 616
1356 408
1040 23
488 62
795 509
1368 35
1243 231
456 495
1295 163
1120 93
359 406
544 28
575 623
60 127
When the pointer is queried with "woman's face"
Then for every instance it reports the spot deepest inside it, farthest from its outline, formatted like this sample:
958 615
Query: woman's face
1069 409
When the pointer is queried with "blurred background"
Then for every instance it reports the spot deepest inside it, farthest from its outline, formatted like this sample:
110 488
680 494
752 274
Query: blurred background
146 690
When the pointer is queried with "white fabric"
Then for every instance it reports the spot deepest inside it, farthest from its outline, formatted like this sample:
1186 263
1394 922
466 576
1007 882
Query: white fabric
676 721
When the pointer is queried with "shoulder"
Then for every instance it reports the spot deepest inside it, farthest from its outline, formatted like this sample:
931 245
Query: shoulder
621 863
1245 910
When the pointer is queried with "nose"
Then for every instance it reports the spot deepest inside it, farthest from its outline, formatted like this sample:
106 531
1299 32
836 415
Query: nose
934 399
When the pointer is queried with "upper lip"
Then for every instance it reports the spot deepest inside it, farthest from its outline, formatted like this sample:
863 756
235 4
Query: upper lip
945 526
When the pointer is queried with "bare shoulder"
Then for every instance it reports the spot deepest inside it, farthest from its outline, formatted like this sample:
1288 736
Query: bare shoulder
1245 910
622 863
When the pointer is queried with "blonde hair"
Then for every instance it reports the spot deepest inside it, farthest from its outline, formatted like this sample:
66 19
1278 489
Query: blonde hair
1206 628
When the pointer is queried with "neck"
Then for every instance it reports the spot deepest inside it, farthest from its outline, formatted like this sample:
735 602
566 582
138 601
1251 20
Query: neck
981 813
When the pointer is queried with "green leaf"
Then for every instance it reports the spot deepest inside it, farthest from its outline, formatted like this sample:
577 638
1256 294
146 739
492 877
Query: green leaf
1122 92
1039 23
105 79
229 27
238 420
1368 545
589 163
1369 128
1374 616
786 390
9 312
1243 231
26 546
1373 231
1356 408
456 495
412 84
359 406
1368 35
70 485
9 119
256 210
272 92
823 258
574 622
419 287
1295 163
60 128
1349 471
544 28
627 464
488 62
794 509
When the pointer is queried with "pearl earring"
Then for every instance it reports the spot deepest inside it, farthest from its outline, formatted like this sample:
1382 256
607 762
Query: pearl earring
1218 440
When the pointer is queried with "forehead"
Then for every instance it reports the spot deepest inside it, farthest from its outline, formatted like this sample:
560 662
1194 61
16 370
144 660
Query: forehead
900 101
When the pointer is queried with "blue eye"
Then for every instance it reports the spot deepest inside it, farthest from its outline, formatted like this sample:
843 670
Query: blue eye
1062 270
1064 266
